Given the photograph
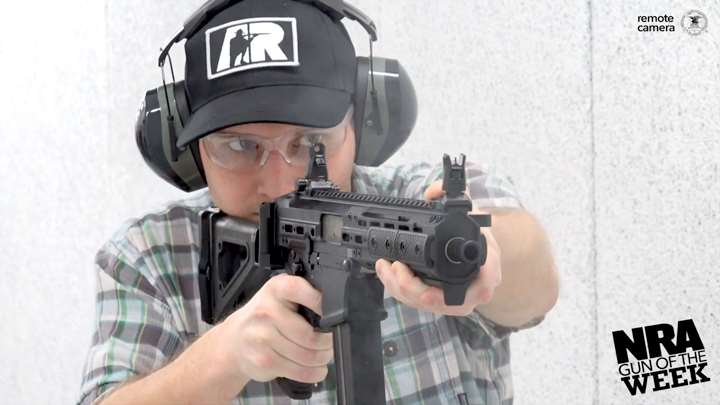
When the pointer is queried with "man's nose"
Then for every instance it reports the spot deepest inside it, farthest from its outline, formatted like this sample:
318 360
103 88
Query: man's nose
277 177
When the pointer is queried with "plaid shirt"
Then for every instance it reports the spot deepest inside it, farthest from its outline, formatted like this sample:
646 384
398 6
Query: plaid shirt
148 308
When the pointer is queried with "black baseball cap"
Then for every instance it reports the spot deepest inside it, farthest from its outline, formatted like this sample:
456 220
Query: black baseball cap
268 61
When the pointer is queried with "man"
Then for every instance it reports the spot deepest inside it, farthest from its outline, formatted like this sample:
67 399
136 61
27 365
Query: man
150 344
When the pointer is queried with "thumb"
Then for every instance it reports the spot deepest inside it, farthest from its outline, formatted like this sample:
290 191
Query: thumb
434 191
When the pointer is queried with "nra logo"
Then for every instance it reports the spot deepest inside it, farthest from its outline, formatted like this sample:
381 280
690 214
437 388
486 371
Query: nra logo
664 357
251 43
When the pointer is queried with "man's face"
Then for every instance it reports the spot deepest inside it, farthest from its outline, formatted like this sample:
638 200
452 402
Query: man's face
239 191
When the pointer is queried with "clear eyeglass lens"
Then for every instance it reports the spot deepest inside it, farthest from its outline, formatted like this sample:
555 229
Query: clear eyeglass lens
245 151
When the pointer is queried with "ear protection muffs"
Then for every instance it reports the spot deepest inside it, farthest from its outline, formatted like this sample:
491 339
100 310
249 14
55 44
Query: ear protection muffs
384 115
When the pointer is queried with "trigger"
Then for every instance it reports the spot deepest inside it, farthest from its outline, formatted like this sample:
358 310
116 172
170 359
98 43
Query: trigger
309 315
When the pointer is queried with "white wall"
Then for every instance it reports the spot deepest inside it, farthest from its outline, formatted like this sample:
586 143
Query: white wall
611 136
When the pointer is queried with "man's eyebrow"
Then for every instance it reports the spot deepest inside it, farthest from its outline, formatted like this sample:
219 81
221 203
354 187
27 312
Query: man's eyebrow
234 133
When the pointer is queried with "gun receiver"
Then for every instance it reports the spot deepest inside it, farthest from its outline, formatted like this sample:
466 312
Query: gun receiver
332 239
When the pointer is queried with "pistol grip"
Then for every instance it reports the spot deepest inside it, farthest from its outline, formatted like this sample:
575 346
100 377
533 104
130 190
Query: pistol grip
292 388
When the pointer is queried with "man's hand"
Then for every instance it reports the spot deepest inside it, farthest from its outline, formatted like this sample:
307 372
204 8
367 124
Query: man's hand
404 286
270 339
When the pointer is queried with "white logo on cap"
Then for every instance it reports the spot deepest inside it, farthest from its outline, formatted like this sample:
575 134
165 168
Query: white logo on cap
250 44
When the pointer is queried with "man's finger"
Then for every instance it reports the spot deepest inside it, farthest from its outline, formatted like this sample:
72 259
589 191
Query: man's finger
408 284
432 298
386 277
434 191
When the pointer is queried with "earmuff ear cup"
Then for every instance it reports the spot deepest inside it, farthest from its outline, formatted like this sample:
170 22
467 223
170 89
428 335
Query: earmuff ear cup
160 118
384 117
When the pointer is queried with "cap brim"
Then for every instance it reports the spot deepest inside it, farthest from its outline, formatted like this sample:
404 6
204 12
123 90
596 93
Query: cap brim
286 104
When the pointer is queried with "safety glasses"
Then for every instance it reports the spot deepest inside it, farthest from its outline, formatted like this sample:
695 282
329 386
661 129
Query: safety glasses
233 150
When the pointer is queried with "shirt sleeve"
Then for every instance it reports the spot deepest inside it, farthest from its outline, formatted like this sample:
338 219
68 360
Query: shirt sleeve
134 332
488 188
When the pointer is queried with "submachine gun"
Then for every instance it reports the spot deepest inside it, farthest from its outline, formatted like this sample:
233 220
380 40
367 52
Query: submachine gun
332 239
